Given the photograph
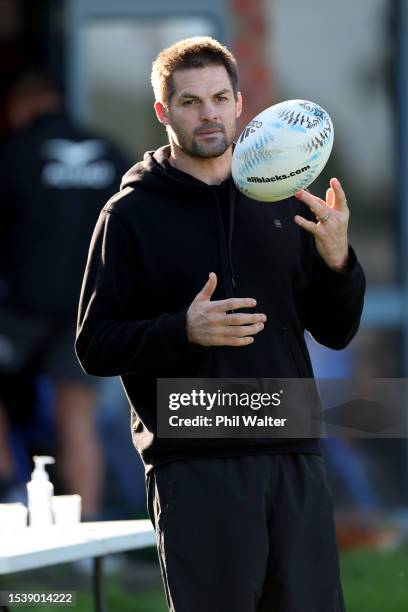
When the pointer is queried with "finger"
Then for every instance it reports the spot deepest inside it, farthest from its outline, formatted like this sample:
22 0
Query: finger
244 319
240 331
309 226
340 201
330 197
209 288
232 304
233 341
217 319
237 331
315 204
305 192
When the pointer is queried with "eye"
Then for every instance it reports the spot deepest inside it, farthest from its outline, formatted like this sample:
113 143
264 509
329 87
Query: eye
189 102
222 99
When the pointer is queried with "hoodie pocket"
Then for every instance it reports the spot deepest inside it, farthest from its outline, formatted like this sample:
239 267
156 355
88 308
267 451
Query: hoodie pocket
269 356
275 353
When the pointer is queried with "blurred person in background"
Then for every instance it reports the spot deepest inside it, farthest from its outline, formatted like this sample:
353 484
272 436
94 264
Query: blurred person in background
53 179
242 524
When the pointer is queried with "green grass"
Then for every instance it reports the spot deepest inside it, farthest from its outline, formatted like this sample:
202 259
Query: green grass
372 582
151 601
375 581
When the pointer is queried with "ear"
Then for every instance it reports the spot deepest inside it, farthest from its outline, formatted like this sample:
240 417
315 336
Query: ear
239 105
161 113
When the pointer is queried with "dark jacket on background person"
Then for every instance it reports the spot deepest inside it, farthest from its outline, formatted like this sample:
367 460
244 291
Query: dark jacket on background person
152 250
54 178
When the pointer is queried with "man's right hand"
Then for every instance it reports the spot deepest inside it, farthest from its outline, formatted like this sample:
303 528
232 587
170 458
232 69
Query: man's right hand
208 323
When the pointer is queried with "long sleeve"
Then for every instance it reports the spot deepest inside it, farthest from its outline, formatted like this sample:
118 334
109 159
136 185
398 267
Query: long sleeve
334 303
111 340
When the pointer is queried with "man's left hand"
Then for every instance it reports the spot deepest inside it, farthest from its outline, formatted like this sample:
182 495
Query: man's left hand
330 232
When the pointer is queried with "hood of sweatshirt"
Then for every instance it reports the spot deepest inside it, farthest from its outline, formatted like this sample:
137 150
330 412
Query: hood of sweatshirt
151 174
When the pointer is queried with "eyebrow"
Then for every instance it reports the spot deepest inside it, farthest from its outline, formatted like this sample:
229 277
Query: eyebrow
218 93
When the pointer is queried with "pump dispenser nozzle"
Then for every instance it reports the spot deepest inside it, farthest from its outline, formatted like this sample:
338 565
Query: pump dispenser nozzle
40 461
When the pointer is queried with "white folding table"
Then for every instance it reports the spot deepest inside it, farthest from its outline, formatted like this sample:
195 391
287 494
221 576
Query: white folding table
34 548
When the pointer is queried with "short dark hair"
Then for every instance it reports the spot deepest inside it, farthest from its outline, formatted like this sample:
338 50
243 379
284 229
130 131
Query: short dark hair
195 52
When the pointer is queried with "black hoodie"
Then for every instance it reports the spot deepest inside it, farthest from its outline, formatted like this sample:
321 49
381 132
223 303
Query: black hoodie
151 253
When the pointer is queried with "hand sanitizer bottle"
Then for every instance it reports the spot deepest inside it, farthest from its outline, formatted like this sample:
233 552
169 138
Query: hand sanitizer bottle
40 491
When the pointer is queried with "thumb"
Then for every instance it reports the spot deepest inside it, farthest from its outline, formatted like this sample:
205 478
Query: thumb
209 287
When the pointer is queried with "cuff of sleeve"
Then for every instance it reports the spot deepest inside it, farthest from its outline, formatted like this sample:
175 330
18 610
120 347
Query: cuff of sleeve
337 279
174 329
195 348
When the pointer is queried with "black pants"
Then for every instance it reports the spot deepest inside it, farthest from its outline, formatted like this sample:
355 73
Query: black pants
246 534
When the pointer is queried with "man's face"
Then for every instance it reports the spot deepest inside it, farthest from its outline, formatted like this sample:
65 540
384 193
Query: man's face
202 115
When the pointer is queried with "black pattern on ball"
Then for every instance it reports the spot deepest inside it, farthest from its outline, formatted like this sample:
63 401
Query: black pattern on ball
318 141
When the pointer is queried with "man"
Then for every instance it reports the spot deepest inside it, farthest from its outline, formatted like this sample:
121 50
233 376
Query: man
188 278
53 178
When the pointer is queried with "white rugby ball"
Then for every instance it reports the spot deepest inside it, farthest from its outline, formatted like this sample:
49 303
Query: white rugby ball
282 150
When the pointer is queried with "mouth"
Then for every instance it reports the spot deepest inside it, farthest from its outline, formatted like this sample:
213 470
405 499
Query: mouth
209 132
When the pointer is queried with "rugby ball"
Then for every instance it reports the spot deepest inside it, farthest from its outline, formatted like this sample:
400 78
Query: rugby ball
282 150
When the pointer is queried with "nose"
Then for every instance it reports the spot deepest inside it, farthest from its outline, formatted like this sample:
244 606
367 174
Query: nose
209 111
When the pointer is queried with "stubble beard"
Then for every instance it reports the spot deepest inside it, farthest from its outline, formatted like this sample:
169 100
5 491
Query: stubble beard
196 146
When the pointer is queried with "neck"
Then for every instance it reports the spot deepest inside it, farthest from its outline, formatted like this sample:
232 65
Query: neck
210 170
